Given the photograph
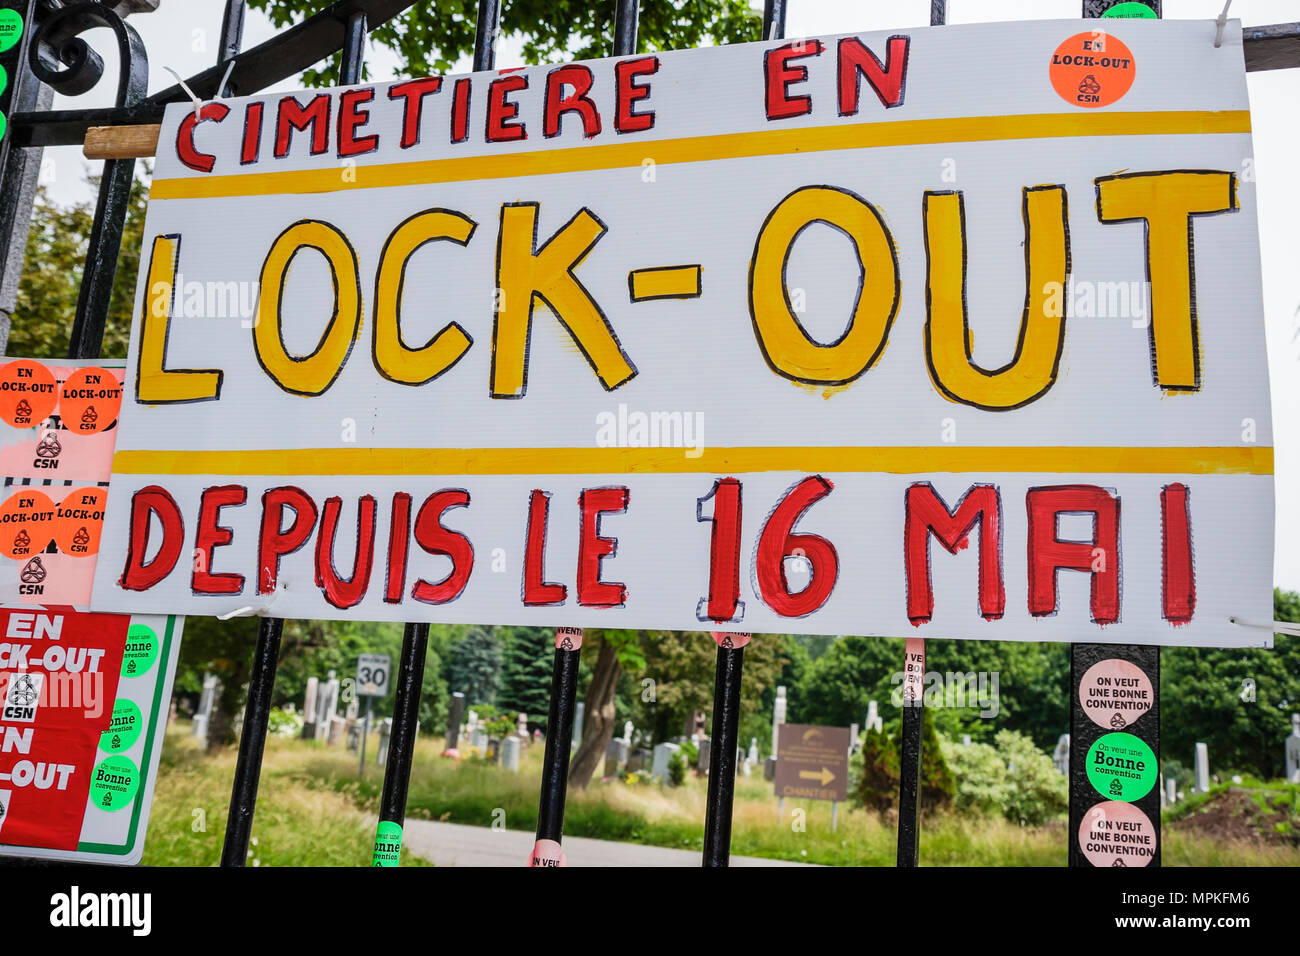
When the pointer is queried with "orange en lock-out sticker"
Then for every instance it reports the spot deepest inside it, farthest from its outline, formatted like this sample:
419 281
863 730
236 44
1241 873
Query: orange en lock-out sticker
1092 69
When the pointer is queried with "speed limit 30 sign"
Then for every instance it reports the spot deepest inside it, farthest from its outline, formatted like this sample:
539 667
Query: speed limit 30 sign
372 675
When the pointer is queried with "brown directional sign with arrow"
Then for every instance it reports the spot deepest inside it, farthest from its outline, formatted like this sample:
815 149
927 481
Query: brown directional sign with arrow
812 762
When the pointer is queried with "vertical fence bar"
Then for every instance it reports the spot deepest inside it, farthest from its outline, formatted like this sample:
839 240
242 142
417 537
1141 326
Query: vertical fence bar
111 208
722 748
568 641
232 39
1099 799
19 168
252 743
909 782
731 659
353 63
559 741
401 745
774 19
485 35
626 13
415 637
909 779
270 630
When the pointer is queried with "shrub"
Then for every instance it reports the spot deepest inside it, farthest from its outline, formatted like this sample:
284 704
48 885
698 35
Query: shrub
677 770
1010 777
880 772
878 783
283 723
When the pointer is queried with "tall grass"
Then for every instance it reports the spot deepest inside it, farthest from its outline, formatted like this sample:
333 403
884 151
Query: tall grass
299 820
313 809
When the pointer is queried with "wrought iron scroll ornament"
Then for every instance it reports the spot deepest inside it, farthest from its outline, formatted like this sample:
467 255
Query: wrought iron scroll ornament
61 58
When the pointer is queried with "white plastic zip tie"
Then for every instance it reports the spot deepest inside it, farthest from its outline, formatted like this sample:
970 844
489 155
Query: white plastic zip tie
230 68
1219 24
1278 627
260 609
198 103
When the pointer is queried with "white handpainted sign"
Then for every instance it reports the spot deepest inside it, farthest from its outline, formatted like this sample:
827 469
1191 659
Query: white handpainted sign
746 338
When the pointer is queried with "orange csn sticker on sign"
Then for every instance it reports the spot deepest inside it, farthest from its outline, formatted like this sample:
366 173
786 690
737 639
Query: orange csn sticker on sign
61 420
1092 69
27 393
90 400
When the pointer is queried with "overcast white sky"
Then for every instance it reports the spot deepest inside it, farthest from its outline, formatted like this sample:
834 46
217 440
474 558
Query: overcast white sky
183 35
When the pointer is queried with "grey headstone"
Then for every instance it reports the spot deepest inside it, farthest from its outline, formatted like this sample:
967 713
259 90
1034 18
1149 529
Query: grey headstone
385 731
663 754
703 763
1293 751
636 760
778 718
454 714
327 705
338 730
309 709
769 769
510 753
579 713
211 686
1061 755
1202 768
616 755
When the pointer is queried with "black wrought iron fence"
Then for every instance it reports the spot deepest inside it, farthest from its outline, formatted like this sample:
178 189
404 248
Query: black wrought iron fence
51 56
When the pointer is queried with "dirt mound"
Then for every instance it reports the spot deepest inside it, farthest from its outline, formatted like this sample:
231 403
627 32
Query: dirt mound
1237 814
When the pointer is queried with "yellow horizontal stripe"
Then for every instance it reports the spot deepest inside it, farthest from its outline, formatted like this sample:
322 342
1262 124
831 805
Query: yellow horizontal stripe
1233 460
694 149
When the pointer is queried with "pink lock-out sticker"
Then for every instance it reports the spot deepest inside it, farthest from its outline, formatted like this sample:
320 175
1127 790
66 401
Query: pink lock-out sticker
568 638
1117 834
547 853
730 639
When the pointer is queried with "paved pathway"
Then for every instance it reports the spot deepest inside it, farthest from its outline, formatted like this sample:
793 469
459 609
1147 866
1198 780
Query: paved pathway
454 844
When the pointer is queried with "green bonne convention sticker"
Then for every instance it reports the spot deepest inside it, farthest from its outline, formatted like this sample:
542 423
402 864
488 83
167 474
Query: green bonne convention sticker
141 651
1132 11
1121 767
11 29
4 79
113 784
388 843
125 729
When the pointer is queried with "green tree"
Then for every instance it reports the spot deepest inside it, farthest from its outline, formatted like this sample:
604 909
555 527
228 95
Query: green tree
51 279
432 36
615 650
1237 701
837 686
526 672
474 667
880 773
307 649
683 666
879 777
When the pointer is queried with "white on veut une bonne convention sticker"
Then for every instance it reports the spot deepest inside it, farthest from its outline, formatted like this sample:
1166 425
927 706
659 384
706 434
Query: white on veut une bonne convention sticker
813 336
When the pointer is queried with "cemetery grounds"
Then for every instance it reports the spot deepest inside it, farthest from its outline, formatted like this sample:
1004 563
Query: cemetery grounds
314 810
